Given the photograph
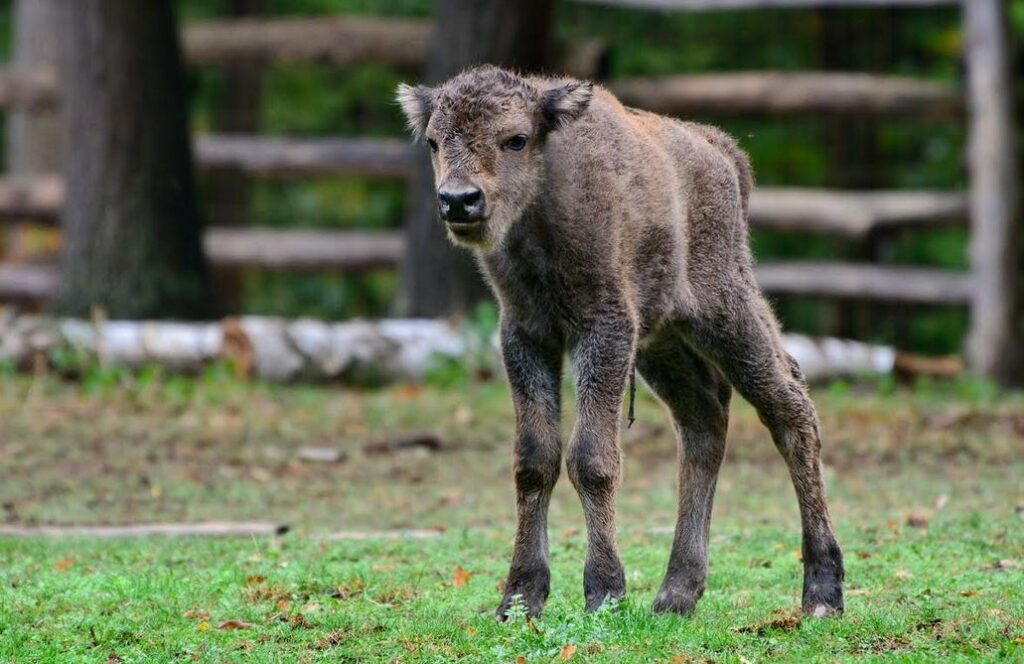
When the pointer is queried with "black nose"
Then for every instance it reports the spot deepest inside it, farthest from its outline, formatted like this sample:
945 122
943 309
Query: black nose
461 205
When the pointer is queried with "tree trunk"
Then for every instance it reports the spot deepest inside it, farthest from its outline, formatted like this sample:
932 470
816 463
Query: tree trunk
997 236
132 228
437 278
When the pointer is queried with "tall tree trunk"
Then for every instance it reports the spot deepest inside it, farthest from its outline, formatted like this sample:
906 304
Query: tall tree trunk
997 230
132 228
437 278
228 199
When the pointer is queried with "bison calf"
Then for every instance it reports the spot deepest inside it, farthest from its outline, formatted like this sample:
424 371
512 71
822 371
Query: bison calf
619 236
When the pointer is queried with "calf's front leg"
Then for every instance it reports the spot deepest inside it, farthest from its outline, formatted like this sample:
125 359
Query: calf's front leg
534 368
602 359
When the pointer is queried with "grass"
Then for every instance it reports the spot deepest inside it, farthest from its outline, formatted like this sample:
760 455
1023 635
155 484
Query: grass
925 487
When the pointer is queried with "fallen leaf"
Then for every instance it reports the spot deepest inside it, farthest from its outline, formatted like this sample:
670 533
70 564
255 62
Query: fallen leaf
196 614
471 631
785 621
231 625
969 593
254 580
568 651
203 626
283 605
520 660
64 564
917 520
461 577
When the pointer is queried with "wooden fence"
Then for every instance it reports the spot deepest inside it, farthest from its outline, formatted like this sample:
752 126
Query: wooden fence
402 44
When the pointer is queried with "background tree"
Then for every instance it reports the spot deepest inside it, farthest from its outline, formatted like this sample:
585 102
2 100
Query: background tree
437 278
131 225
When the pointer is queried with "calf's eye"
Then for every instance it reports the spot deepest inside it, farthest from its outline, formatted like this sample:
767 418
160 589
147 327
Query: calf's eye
516 143
433 144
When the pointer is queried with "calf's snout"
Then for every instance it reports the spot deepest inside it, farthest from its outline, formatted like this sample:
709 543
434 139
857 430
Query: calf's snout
462 204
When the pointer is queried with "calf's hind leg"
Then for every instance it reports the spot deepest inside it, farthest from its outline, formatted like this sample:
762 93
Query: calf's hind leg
697 396
743 340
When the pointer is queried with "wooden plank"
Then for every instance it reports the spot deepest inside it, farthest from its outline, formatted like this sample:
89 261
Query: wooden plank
721 5
865 281
31 197
845 213
782 93
997 238
28 89
303 250
339 41
31 283
853 214
202 529
299 158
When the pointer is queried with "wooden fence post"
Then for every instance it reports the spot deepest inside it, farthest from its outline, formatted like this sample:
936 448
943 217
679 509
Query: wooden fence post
997 254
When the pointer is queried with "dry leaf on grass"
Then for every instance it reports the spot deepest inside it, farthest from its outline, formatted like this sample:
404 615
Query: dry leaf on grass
64 564
568 651
196 614
917 520
231 625
461 577
785 621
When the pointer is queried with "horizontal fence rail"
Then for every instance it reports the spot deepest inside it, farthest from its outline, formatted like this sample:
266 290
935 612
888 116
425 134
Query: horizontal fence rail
264 156
340 42
720 5
354 251
742 93
853 214
782 93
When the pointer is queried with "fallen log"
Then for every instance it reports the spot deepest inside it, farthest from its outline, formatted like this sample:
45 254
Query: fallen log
205 529
354 352
781 93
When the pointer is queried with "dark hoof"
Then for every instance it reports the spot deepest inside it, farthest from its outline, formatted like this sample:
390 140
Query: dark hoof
823 593
676 599
598 588
531 594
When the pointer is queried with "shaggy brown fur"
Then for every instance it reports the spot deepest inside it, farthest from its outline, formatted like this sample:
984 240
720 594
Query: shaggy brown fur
620 236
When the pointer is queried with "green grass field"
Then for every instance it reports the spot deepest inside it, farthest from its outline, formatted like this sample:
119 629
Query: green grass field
926 490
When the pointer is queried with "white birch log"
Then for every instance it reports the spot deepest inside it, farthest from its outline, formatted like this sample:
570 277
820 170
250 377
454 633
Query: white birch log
280 350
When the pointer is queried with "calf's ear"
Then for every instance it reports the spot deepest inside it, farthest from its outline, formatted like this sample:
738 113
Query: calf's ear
417 102
561 105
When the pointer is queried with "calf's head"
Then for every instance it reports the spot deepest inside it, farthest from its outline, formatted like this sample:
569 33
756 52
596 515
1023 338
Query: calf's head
486 129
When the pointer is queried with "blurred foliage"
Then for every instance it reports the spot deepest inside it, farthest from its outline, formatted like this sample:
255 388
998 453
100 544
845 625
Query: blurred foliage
310 101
